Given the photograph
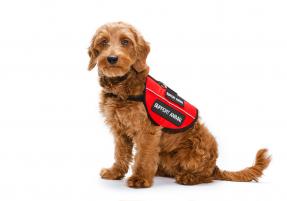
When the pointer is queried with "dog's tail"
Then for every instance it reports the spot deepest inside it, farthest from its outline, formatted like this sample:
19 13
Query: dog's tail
248 174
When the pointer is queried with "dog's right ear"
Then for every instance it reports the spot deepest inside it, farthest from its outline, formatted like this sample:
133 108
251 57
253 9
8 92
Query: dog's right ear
93 55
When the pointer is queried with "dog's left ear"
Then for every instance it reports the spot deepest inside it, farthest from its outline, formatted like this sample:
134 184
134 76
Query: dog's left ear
93 55
142 50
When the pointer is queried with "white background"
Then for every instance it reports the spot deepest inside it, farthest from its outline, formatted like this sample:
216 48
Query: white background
226 57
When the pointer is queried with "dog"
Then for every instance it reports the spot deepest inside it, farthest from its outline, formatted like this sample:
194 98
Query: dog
189 156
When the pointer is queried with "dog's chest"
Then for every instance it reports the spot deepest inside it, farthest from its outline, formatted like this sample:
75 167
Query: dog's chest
127 115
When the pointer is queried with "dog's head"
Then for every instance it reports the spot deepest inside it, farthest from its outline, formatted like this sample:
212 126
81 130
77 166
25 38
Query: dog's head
116 48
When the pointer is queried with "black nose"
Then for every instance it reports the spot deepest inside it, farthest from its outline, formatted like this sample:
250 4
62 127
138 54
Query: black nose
112 59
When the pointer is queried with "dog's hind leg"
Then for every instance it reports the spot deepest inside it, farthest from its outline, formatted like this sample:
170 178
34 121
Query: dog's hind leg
194 166
192 179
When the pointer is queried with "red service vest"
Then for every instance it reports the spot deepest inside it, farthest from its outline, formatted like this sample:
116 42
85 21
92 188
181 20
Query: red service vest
166 108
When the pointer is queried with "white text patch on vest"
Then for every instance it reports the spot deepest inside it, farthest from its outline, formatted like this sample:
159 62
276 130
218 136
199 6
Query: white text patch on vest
168 113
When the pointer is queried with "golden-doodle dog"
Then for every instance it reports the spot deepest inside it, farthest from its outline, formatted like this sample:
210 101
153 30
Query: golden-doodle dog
169 139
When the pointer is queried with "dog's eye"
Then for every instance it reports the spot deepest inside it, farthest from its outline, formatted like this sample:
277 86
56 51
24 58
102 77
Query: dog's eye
125 42
104 42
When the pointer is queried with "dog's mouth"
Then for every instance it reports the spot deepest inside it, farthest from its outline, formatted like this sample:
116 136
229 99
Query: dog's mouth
114 66
118 79
114 70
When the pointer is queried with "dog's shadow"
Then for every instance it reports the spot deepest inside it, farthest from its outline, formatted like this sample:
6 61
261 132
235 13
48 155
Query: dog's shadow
159 182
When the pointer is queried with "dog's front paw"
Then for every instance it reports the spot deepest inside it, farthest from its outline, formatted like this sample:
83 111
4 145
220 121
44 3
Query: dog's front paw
111 173
138 182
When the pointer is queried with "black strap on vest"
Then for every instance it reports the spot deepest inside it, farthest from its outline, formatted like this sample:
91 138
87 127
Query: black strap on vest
139 98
